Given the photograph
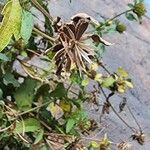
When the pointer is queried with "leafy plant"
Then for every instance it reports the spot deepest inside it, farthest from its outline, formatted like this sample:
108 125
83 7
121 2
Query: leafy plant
42 103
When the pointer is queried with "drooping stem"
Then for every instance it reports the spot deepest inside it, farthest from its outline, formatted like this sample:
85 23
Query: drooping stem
134 118
113 109
119 15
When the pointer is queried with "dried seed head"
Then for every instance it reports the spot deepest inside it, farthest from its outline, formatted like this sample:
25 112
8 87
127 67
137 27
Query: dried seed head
71 47
139 137
124 146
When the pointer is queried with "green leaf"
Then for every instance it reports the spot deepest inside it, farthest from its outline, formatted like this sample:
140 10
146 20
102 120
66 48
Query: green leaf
122 72
24 95
131 5
95 144
10 79
70 124
75 78
39 136
59 92
27 125
65 105
98 77
11 23
129 83
130 16
108 81
85 81
26 26
121 88
30 125
100 49
3 57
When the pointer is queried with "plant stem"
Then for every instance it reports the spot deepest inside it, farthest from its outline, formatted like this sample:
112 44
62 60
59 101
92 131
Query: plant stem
30 110
39 32
107 100
40 8
5 129
132 128
119 15
134 118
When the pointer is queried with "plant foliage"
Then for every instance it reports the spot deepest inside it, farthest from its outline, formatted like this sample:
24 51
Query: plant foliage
44 74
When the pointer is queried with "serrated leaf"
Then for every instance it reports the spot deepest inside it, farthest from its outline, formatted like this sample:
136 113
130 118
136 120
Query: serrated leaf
11 23
24 95
70 124
26 26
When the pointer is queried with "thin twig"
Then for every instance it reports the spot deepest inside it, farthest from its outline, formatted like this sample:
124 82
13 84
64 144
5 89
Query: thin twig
5 129
22 138
113 109
134 118
32 51
69 87
30 110
103 66
45 125
132 128
119 15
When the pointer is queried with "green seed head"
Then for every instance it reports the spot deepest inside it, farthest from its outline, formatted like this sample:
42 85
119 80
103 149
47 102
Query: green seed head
139 9
121 28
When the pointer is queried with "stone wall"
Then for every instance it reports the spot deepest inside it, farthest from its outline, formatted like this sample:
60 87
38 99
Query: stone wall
131 51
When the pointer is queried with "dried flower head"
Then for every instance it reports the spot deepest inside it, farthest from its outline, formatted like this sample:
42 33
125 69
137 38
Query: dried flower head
71 48
139 137
124 146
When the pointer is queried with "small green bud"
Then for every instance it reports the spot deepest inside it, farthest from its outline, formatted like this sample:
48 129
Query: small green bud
139 9
120 27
